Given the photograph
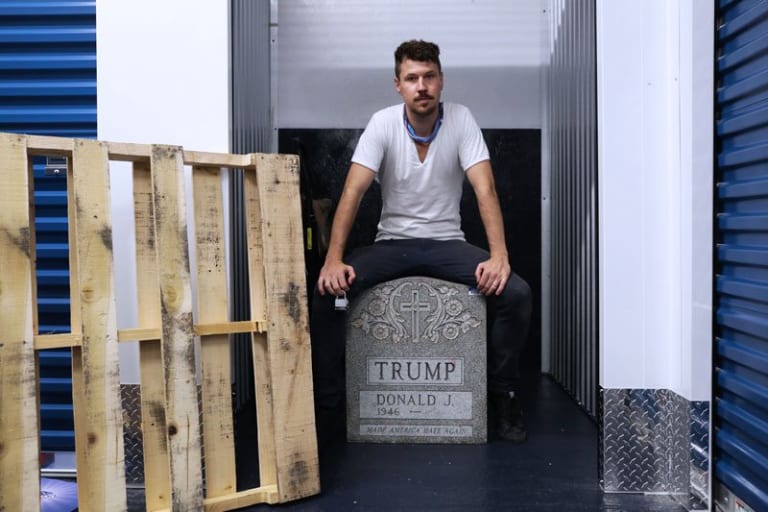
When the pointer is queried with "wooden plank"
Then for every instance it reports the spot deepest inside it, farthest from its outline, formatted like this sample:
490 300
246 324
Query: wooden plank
288 327
262 494
203 159
182 412
255 496
141 333
153 333
157 476
102 479
127 152
244 326
262 377
79 404
49 341
212 300
19 430
130 152
49 146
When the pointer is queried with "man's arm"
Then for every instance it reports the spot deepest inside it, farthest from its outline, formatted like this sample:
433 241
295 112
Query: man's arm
336 276
491 275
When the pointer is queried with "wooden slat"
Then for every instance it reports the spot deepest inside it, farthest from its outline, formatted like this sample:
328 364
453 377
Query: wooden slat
49 146
19 430
157 476
127 152
262 494
141 333
262 377
202 159
153 333
49 341
130 152
79 403
255 496
243 326
216 389
102 479
288 327
182 412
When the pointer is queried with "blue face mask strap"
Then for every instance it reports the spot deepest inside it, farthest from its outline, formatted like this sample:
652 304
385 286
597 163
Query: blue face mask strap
429 138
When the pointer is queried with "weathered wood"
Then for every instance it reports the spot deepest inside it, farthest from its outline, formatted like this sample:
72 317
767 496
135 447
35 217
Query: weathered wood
126 152
19 435
102 476
170 415
230 327
181 406
263 494
262 375
153 333
45 145
141 333
49 341
216 389
203 159
78 381
157 476
288 327
255 496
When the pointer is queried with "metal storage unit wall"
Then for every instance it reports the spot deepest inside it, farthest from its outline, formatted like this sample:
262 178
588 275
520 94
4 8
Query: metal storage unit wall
570 146
253 35
48 87
741 413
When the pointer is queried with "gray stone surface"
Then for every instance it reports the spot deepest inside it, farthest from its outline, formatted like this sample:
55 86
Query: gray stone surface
416 364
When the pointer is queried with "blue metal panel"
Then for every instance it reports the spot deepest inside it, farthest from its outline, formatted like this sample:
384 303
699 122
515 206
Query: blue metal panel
741 412
48 87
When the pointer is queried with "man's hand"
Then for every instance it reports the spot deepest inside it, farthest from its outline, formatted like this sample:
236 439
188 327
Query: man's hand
492 275
335 278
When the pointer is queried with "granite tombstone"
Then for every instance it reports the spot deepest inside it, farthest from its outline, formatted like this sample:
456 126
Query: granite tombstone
416 363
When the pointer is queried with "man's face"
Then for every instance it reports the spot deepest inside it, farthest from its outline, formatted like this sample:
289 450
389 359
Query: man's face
420 84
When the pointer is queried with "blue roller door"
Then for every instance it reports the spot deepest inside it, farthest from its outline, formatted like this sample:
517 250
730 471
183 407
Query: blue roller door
48 87
741 436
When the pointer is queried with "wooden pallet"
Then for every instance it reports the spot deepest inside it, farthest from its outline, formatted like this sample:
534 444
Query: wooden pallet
167 328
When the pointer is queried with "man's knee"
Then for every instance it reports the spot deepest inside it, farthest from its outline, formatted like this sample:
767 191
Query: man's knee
517 295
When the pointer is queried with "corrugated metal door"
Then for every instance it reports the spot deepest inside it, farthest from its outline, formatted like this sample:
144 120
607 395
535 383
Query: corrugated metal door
741 420
570 146
48 87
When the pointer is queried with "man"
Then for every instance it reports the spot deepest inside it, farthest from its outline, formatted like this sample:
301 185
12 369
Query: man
420 151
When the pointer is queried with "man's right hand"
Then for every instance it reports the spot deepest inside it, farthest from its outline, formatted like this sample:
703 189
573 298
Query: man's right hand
335 278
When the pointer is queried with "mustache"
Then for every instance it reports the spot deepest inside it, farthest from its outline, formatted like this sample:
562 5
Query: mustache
424 97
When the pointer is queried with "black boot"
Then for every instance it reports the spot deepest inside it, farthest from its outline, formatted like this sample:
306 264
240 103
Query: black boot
508 424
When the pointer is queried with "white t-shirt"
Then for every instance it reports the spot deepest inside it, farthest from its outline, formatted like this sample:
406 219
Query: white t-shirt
421 199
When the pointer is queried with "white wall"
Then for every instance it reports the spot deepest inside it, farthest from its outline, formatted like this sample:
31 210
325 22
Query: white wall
336 58
655 108
163 77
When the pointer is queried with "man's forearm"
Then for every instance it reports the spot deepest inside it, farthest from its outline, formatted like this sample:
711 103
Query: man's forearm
358 180
342 225
490 214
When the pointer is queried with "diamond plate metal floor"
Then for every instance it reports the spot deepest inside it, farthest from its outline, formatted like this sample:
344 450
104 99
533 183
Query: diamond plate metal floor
555 470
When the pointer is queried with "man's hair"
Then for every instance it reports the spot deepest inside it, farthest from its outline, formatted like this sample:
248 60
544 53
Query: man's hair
421 51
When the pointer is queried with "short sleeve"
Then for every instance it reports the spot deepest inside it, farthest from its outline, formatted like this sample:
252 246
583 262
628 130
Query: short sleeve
370 148
472 148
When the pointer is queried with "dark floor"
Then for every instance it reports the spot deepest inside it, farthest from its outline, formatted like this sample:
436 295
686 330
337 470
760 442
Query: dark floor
555 470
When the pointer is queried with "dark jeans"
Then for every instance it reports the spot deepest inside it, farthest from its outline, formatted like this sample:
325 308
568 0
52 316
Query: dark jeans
508 314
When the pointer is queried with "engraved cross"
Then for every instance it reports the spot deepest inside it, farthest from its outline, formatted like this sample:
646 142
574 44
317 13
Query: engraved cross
415 307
